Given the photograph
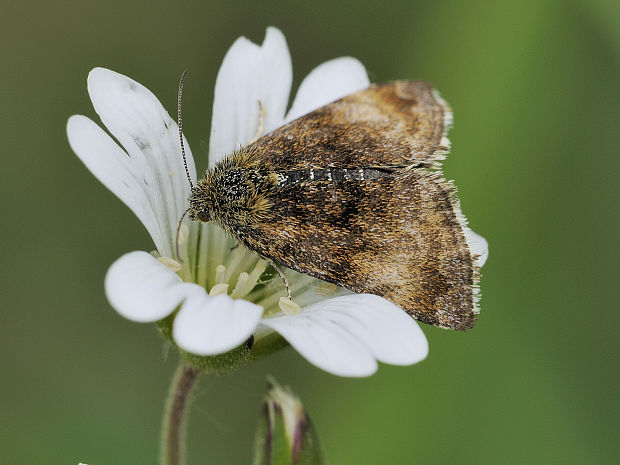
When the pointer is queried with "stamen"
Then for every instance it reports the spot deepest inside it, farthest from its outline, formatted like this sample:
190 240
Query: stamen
220 274
219 289
268 297
253 292
289 307
262 111
257 272
236 260
240 289
170 263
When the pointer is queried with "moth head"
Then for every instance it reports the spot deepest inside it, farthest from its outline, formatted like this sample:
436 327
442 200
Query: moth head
203 215
200 207
231 195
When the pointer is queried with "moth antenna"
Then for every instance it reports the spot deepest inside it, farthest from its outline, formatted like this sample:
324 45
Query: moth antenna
180 125
176 238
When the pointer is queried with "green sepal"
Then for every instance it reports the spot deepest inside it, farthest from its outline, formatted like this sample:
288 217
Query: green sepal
212 364
247 352
271 448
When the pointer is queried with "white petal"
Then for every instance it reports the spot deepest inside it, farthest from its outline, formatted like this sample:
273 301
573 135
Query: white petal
214 325
327 82
325 344
345 335
109 163
135 117
478 246
249 74
143 289
391 335
326 337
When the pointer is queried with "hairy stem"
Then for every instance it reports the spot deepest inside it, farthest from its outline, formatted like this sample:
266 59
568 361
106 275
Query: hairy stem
175 419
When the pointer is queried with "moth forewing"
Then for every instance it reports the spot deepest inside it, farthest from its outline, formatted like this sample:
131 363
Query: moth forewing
350 194
398 123
367 237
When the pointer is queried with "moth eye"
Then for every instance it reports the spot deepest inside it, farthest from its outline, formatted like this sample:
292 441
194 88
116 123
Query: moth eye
203 216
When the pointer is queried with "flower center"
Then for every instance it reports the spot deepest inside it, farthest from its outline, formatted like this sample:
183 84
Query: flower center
216 262
245 281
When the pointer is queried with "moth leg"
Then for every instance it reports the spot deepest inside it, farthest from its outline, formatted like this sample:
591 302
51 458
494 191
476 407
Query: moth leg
261 123
284 278
234 247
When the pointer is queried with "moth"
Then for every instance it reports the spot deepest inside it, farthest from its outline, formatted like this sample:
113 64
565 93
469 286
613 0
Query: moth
352 194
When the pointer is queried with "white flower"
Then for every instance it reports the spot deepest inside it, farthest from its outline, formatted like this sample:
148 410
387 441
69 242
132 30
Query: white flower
221 293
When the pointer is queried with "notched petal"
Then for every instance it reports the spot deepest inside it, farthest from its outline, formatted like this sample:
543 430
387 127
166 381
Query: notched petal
347 335
250 74
390 334
111 165
136 118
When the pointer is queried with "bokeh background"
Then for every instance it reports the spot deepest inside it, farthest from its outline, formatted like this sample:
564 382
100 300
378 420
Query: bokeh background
535 86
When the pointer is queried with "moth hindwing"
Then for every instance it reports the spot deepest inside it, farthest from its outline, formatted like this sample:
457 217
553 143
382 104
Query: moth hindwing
350 193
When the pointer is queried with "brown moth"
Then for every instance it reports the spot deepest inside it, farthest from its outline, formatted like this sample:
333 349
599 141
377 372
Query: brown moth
351 194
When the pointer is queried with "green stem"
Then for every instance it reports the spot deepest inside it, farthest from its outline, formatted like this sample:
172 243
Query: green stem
175 418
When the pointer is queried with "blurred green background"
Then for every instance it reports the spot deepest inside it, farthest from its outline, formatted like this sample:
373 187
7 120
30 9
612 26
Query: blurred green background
535 86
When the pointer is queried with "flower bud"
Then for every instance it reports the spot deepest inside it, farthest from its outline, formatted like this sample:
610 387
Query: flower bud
285 435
